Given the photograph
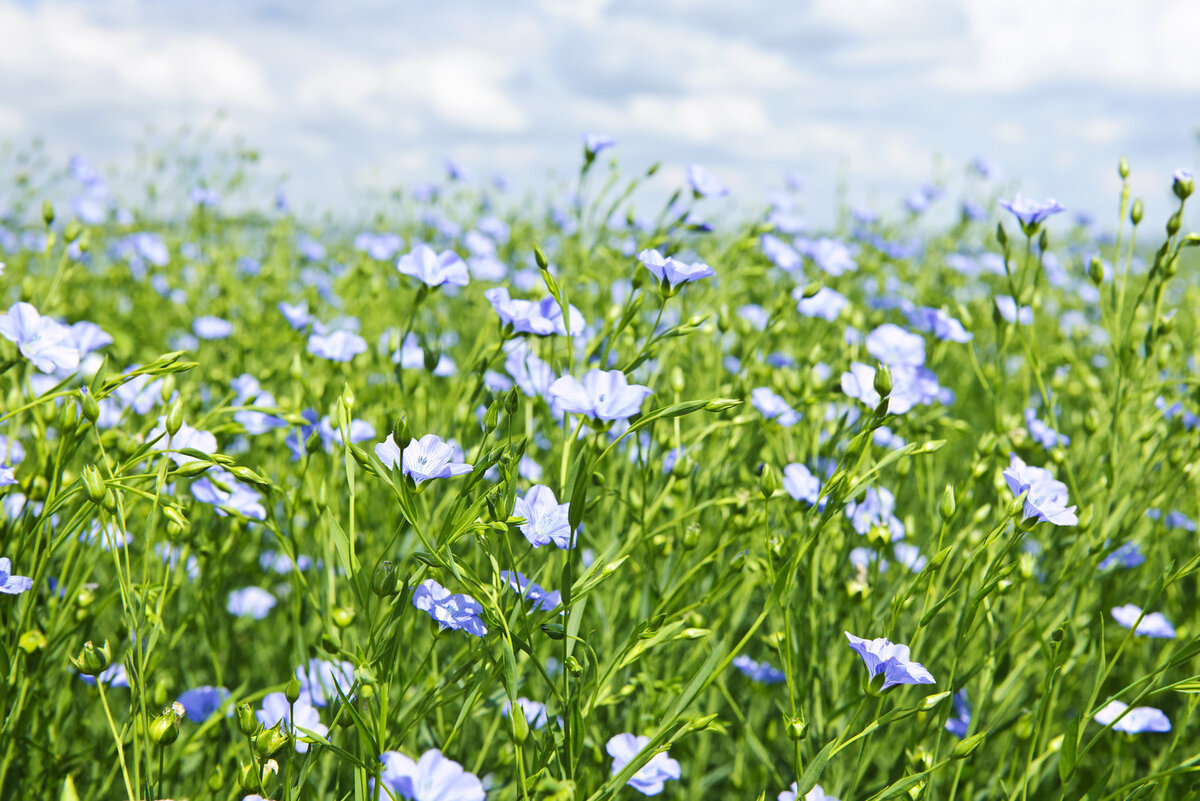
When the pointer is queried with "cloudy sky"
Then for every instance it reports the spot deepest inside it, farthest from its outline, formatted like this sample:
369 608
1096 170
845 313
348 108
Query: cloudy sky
366 93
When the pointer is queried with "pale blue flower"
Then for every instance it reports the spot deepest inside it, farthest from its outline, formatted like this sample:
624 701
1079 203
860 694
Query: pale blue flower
832 256
1132 721
940 324
434 269
602 395
959 722
252 602
815 794
201 703
875 510
1127 556
895 347
1011 314
534 712
186 437
432 778
1043 434
423 459
1032 212
649 780
209 327
451 611
545 518
595 144
760 672
671 271
296 314
321 680
297 716
781 254
801 484
773 407
338 346
46 343
112 676
1047 498
1152 624
826 303
890 661
543 599
704 183
12 584
224 492
542 317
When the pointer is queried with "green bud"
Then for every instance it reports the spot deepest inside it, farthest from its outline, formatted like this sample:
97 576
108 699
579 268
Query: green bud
330 644
348 397
93 483
1001 235
520 726
1123 168
248 777
1044 241
68 417
511 402
1183 185
1096 271
768 483
164 729
703 722
691 536
542 262
883 380
1174 222
554 631
91 409
721 404
492 418
32 640
949 505
343 616
1137 212
1091 421
810 290
966 747
269 742
72 230
677 382
931 701
247 722
47 213
797 727
573 666
175 417
216 781
192 469
168 388
739 561
291 690
383 583
92 661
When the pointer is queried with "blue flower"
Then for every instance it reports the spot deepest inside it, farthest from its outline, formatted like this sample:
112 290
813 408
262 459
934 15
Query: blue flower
942 325
801 484
760 672
832 256
773 407
321 680
252 602
112 676
781 254
200 703
338 345
1032 212
186 437
1043 434
545 518
543 599
889 661
815 794
704 183
108 535
220 489
434 269
423 459
958 723
7 476
595 144
451 611
1011 313
297 716
649 780
1127 556
209 327
432 778
380 247
534 711
296 314
1132 721
602 395
895 347
875 510
826 304
9 583
542 317
47 343
1152 624
1047 498
671 271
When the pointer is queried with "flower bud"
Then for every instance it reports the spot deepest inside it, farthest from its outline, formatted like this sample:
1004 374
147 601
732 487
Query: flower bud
1183 184
291 690
247 722
949 505
92 661
797 727
383 583
491 418
721 404
47 213
343 616
573 666
1174 222
164 729
554 631
768 482
691 536
1123 168
248 777
93 483
520 726
68 417
330 644
883 380
540 257
216 780
269 742
1137 211
1001 235
91 409
964 748
1096 271
175 417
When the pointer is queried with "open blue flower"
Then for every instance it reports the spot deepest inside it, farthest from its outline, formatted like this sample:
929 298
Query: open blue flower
704 183
801 484
773 407
542 317
959 722
671 271
423 459
545 518
888 663
200 703
451 610
321 679
434 269
1047 498
1132 721
432 778
649 780
337 345
1152 624
602 395
251 602
9 583
595 144
1032 212
534 712
815 794
45 342
297 716
760 672
543 599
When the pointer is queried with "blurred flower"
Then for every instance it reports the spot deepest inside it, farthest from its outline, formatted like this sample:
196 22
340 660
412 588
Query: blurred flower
595 144
220 489
704 183
380 247
1153 624
186 437
942 325
832 256
1134 721
601 395
112 676
958 723
252 602
542 317
1032 212
451 611
650 778
672 271
773 407
321 679
1043 434
545 518
875 510
432 778
1127 556
892 345
106 535
338 346
200 703
889 660
781 254
7 476
522 586
801 484
300 715
826 303
11 584
815 794
760 672
296 314
1011 314
48 344
434 269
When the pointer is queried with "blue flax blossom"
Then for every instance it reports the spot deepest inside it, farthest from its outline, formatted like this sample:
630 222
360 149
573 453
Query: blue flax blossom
815 794
456 611
761 672
201 703
1173 519
423 459
940 324
826 304
7 476
1133 721
297 716
671 271
321 679
545 518
434 269
337 345
1152 624
296 314
9 583
595 144
1047 498
875 510
251 602
649 780
210 327
45 342
704 183
602 395
960 721
895 347
220 489
1011 313
1031 212
832 256
534 712
1043 434
911 386
890 661
773 407
432 778
542 317
1128 555
112 676
780 253
543 599
801 484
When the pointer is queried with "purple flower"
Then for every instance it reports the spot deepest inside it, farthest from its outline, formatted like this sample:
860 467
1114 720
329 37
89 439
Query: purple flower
826 304
650 778
47 343
1127 556
432 778
545 518
543 599
423 459
602 395
958 723
451 611
1132 721
890 661
9 583
942 325
209 327
220 489
1032 212
1043 434
434 269
1011 313
297 716
1047 498
773 407
671 271
112 676
1153 624
801 484
895 347
760 672
338 346
252 602
595 144
200 703
704 183
296 314
321 680
542 317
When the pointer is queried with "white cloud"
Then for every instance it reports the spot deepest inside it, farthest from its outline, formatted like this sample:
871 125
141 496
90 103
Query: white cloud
700 117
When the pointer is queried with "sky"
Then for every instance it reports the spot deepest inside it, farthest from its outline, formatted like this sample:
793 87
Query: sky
356 95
